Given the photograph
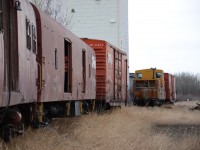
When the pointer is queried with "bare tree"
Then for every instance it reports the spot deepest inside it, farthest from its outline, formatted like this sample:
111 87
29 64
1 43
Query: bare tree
187 85
53 9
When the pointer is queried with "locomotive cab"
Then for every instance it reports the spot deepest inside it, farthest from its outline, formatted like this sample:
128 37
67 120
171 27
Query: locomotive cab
149 87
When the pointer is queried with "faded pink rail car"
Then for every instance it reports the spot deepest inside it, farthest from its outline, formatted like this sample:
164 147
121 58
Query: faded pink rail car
18 67
111 72
41 61
67 66
45 70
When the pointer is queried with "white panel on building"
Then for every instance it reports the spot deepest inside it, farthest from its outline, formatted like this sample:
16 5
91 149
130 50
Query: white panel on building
100 19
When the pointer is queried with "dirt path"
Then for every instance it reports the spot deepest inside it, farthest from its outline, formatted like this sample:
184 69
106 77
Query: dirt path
130 128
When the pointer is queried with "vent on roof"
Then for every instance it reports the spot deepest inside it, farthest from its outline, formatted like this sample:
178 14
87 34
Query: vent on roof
112 20
72 10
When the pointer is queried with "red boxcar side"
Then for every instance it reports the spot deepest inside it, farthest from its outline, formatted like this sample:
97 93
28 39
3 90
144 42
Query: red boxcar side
111 72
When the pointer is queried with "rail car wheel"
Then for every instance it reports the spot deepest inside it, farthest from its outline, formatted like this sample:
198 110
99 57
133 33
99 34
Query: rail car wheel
85 108
12 129
12 124
6 133
151 103
157 103
26 116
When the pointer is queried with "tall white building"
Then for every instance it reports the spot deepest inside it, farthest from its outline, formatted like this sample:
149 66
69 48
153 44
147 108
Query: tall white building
100 19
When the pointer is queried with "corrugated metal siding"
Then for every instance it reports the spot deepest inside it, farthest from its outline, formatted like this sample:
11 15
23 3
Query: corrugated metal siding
111 71
100 73
101 67
123 26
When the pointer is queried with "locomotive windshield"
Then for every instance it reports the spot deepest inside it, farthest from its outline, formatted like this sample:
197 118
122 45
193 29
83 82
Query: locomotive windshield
158 75
139 75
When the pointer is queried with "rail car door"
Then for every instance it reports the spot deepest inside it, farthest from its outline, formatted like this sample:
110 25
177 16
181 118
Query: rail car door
125 85
83 70
1 52
68 66
1 66
117 76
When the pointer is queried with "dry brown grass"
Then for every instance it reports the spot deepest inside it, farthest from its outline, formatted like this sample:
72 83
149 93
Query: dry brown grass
130 128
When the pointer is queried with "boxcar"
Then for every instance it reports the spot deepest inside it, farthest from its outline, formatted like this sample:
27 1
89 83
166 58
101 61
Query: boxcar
169 87
173 87
19 65
111 73
66 65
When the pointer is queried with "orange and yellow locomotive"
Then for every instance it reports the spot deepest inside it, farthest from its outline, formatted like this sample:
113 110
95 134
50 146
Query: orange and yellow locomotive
153 87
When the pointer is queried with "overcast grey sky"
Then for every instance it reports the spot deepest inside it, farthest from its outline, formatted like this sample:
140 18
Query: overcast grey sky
164 34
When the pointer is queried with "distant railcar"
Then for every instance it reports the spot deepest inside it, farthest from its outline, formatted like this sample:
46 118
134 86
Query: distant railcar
169 87
173 80
111 73
153 87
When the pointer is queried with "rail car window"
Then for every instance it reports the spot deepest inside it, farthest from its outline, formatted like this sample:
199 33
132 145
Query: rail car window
158 75
28 34
89 71
34 39
1 15
84 70
68 66
56 58
139 75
